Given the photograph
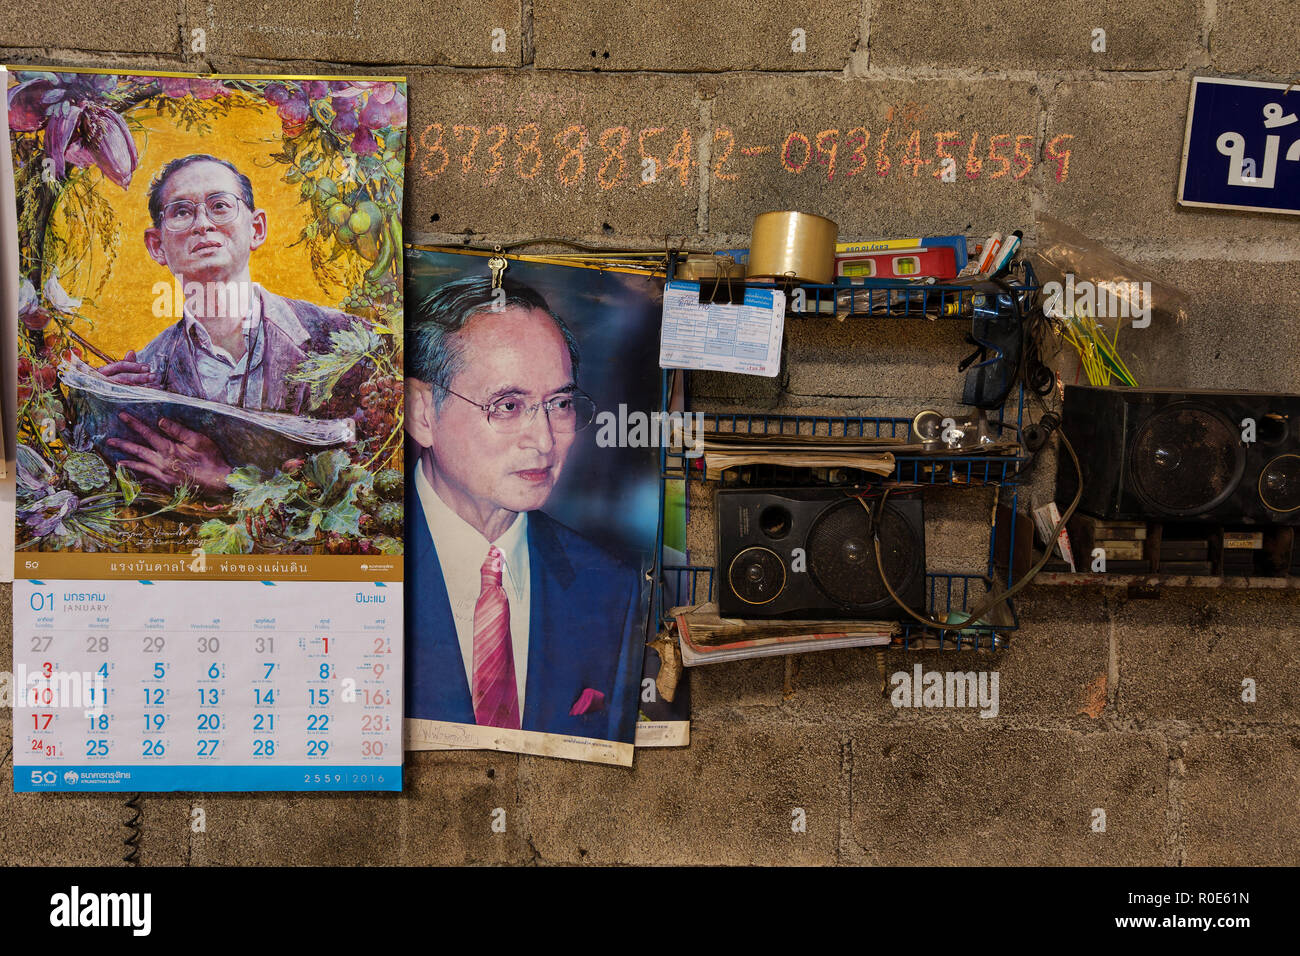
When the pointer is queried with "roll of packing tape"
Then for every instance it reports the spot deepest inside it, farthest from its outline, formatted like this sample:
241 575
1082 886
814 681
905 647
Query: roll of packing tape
794 245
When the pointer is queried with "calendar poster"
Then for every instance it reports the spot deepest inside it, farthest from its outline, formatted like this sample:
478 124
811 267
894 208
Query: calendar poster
533 416
209 470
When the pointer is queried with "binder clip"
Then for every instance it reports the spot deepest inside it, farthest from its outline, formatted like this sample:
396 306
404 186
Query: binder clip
718 295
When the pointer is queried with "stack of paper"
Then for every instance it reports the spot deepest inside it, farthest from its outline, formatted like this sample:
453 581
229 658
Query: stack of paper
707 638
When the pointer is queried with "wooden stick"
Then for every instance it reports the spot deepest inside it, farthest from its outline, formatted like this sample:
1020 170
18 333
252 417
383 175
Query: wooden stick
104 355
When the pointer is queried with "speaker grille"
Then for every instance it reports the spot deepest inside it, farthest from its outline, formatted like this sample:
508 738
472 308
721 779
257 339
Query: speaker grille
1185 459
1279 483
757 576
842 558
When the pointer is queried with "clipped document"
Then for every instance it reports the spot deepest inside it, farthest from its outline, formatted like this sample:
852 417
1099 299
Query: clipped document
743 338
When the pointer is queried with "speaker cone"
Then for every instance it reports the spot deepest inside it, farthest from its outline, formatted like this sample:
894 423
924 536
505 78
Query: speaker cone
1186 459
757 575
1279 483
842 557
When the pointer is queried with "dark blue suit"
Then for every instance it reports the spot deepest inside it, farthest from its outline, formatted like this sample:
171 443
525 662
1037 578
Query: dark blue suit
586 630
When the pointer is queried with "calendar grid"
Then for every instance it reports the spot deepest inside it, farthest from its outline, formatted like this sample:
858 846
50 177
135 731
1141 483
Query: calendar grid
208 686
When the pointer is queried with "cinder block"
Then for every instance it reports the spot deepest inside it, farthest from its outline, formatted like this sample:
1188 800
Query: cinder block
910 361
134 26
444 816
1057 664
1055 667
1185 655
736 686
432 32
1122 176
1236 335
925 795
474 164
298 829
1015 35
38 59
1240 805
644 35
957 540
756 392
1256 37
700 529
732 797
839 688
819 145
54 829
846 687
462 807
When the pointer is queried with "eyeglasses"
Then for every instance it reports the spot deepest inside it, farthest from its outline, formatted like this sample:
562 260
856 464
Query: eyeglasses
221 208
567 412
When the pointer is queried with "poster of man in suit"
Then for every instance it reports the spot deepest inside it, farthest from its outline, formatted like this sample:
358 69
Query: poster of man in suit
532 523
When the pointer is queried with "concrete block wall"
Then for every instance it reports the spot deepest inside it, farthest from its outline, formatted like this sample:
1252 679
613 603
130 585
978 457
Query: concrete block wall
540 118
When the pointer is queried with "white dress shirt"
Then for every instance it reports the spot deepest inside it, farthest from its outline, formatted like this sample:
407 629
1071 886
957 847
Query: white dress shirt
221 378
461 552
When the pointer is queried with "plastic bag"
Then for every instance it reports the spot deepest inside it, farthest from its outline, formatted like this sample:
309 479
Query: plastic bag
1082 278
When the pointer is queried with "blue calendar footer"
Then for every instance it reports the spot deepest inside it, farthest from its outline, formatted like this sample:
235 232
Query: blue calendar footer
29 778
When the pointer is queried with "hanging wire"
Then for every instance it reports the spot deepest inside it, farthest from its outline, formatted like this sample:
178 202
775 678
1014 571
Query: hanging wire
132 841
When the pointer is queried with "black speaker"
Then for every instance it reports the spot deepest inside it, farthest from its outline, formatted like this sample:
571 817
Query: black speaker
810 553
1226 457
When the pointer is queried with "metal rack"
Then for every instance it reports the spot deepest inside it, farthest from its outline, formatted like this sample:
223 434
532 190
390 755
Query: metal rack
945 592
965 470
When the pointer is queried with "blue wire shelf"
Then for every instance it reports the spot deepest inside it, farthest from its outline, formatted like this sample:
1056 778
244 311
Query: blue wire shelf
889 298
879 299
692 584
957 470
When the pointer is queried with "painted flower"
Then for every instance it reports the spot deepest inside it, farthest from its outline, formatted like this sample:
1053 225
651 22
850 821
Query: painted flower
57 297
386 106
363 143
292 105
35 476
30 312
79 129
178 86
279 93
46 516
346 120
30 100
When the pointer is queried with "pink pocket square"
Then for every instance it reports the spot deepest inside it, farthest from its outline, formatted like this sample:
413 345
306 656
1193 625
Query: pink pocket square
589 701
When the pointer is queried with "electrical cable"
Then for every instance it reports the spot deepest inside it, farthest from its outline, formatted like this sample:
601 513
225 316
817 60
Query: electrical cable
974 617
132 841
1030 367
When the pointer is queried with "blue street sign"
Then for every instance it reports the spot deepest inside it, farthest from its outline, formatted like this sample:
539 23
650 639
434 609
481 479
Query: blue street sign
1243 146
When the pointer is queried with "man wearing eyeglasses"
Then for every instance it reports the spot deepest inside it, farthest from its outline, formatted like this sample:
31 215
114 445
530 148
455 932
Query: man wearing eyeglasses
514 620
236 342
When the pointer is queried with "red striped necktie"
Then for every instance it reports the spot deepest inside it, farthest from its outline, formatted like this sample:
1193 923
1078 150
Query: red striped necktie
496 700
